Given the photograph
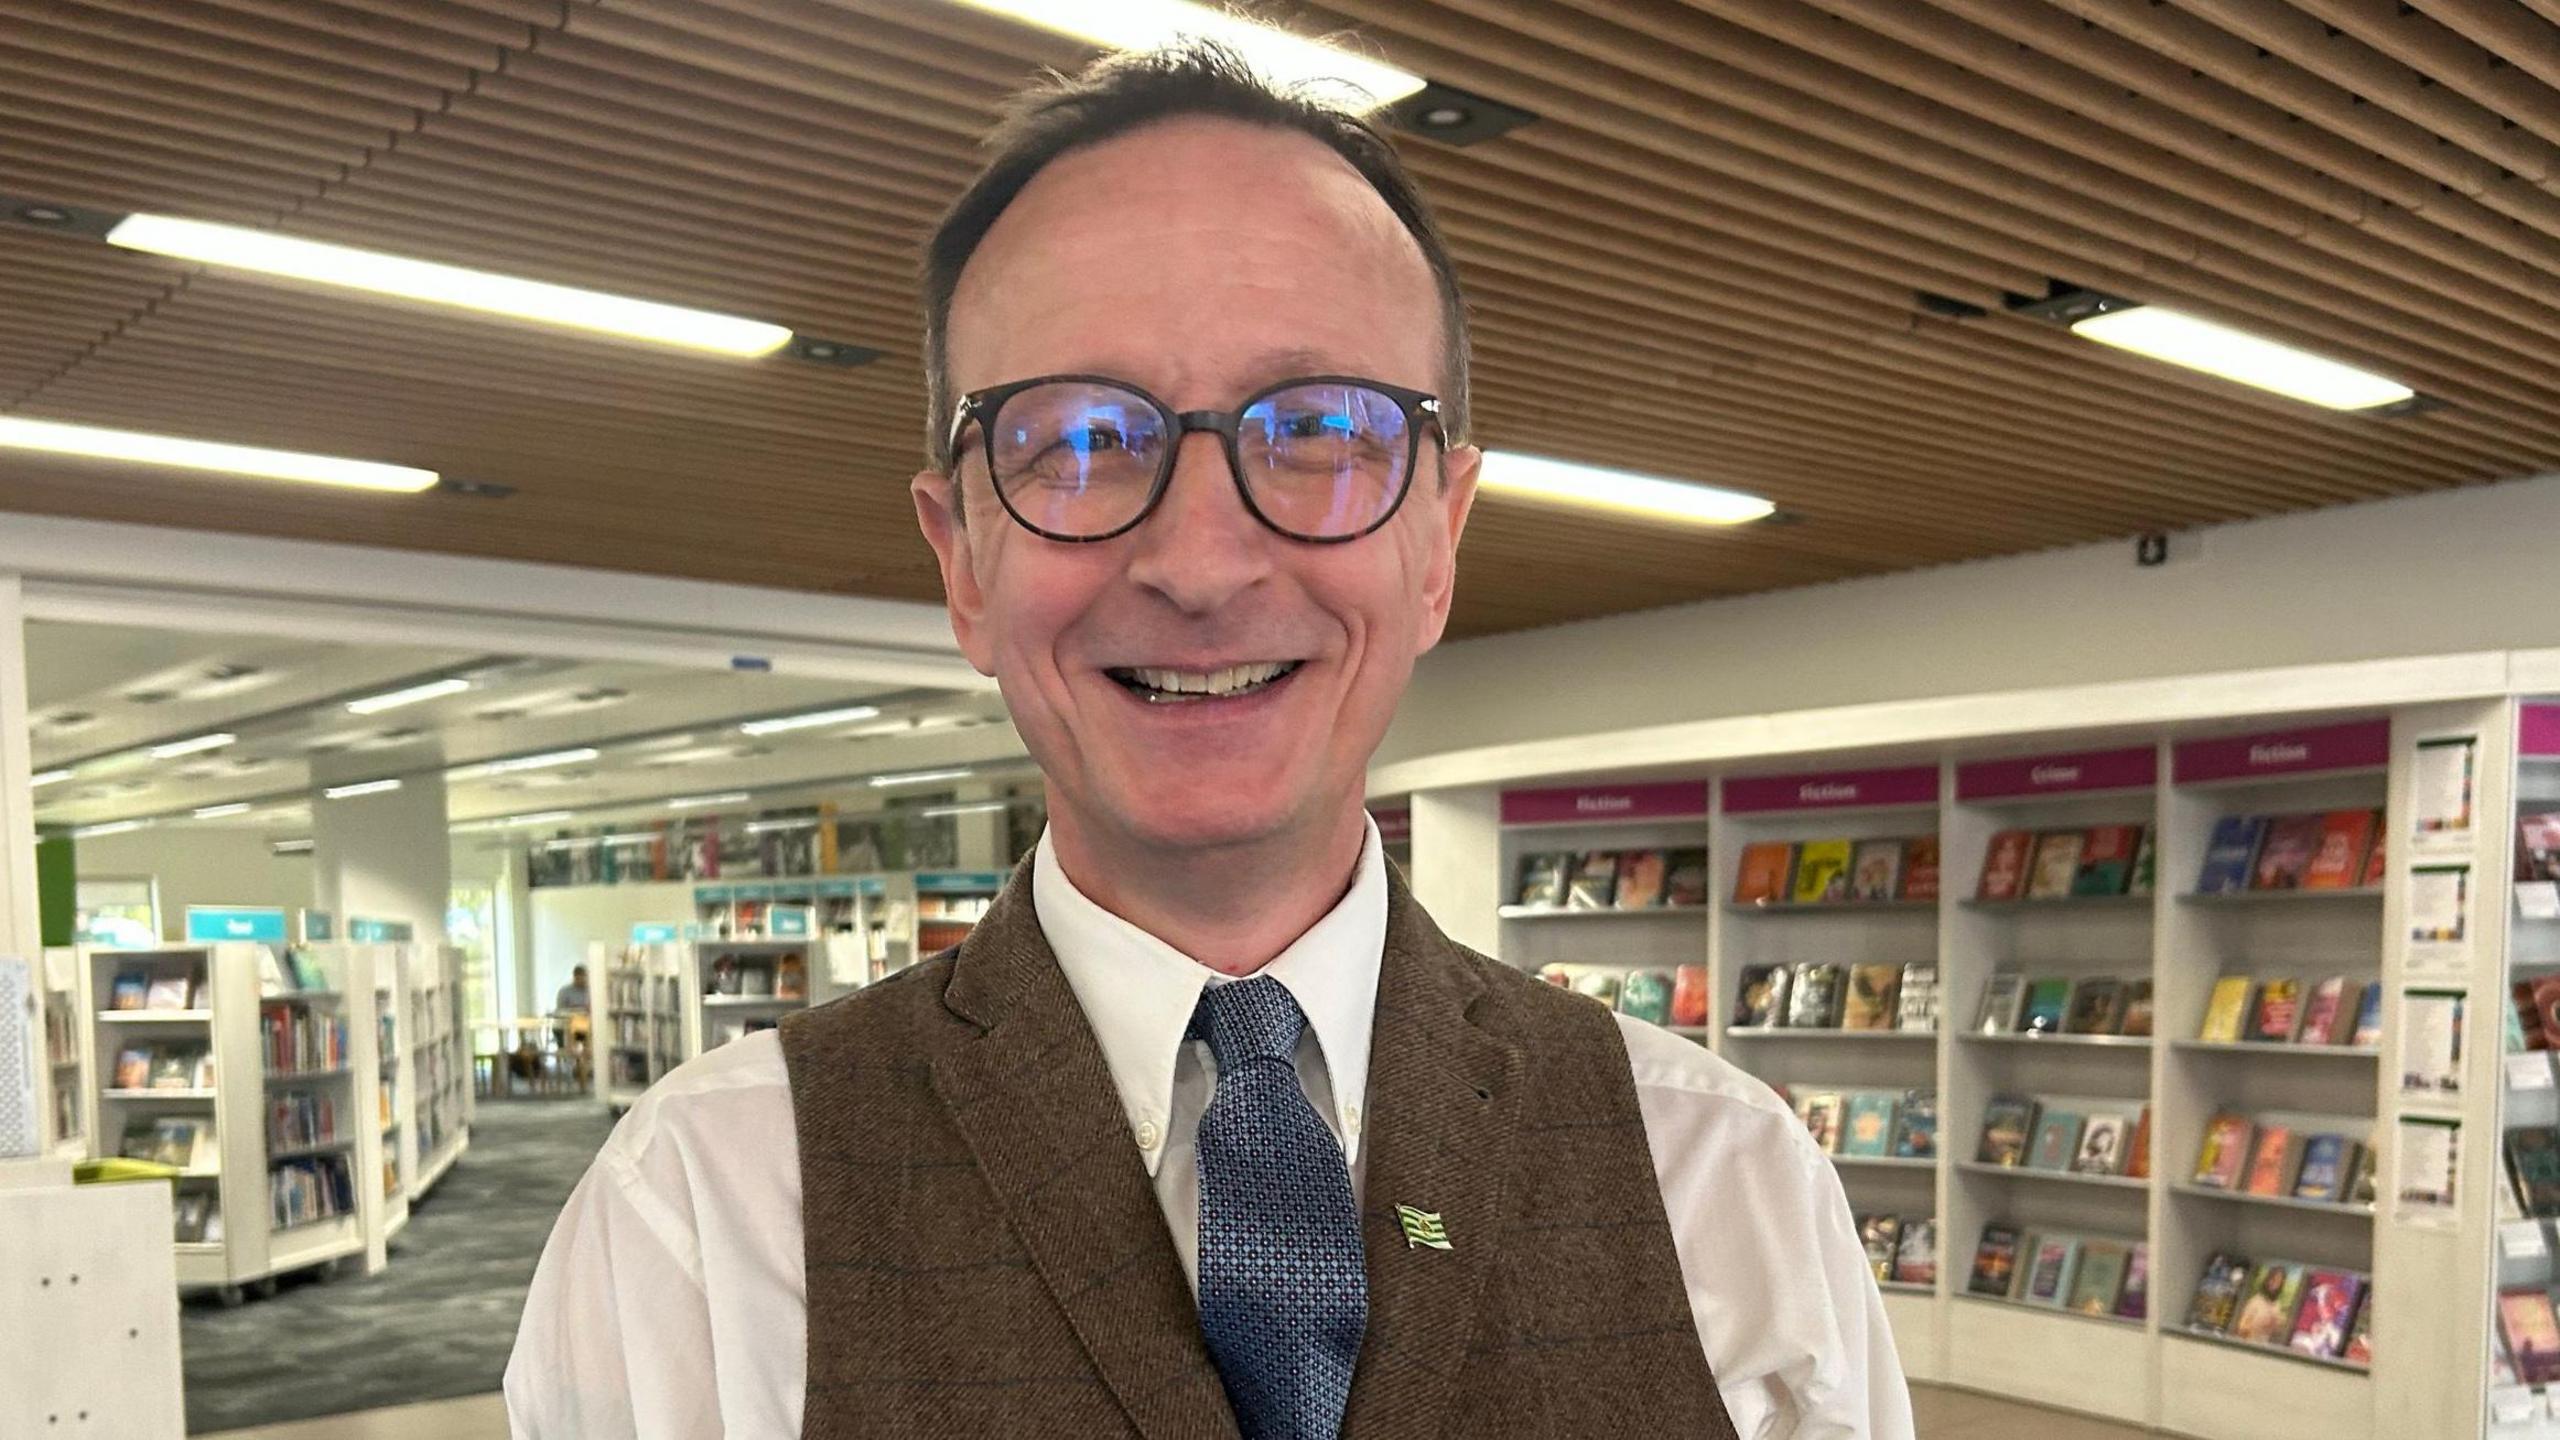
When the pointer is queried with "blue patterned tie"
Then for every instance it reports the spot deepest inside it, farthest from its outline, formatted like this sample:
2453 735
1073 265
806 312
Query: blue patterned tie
1283 1298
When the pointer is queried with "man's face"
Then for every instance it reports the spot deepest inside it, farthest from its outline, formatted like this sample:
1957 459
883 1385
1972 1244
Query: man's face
1199 260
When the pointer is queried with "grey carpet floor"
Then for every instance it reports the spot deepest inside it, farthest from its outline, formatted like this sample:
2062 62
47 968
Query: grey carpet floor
436 1323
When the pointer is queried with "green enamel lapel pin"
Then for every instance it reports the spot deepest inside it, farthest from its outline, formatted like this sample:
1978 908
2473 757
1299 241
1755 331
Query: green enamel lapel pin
1422 1227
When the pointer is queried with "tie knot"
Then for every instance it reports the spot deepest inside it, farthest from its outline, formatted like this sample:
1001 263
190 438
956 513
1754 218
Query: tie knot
1256 1019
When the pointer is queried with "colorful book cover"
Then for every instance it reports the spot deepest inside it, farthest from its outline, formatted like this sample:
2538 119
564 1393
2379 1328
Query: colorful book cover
2326 1160
2106 860
2359 1349
2004 866
1813 997
2266 1317
1600 985
2100 1281
2338 863
1868 1126
1920 869
2137 1007
1595 881
1916 1006
2001 997
2285 855
1684 880
2278 1013
167 992
2532 1333
1822 872
2057 1141
131 987
2528 1016
2546 1009
1915 1126
1690 1002
133 1069
2048 999
2368 1032
2056 866
1762 1000
2324 1013
1640 877
2057 1259
2101 1149
2533 1165
2146 864
1881 1235
1646 995
1767 874
2097 1008
2538 847
2137 1153
2224 1152
1995 1261
1820 1112
1543 878
2229 853
1875 870
2008 1123
2376 862
2267 1161
2226 1278
1874 994
1915 1257
2133 1302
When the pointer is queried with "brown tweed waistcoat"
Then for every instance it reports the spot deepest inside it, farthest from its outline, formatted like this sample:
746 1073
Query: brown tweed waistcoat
986 1255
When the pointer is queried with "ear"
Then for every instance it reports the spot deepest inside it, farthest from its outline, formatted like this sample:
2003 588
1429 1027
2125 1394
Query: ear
1454 498
938 515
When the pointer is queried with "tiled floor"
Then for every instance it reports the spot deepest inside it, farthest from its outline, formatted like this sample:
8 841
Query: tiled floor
1943 1414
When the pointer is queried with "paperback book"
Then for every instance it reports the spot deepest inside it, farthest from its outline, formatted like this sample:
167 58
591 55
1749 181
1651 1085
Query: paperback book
2057 865
2100 1281
2226 1010
1763 998
1684 880
2338 862
2267 1162
1767 875
2101 1146
2008 1124
2106 860
1920 868
2097 1008
2048 998
2229 854
1813 997
1595 881
1543 878
1822 872
1915 1126
2057 1259
1873 996
2284 856
2004 866
1875 870
2225 1151
1916 1005
2279 1011
2001 997
1995 1262
1882 1236
2217 1298
2057 1141
1868 1126
1820 1112
2328 1308
2266 1316
1640 877
1915 1256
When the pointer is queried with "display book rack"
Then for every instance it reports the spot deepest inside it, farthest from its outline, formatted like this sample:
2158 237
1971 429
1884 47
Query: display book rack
642 1029
437 1040
255 1074
2145 1367
68 1058
2523 1397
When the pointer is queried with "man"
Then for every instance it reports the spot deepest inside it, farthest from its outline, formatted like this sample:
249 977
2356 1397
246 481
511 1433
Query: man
572 998
1205 1130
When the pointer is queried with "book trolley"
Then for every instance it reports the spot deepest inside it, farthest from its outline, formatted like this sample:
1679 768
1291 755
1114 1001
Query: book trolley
2355 927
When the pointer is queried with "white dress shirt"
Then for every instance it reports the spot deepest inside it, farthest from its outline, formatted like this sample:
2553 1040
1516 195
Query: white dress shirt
670 1303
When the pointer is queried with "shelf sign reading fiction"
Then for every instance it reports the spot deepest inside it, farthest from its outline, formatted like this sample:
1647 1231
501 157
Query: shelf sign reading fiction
648 934
2126 769
1671 800
2358 745
1833 790
1394 826
2538 731
214 923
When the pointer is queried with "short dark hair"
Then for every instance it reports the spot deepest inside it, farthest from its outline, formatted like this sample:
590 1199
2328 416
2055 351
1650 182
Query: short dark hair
1132 89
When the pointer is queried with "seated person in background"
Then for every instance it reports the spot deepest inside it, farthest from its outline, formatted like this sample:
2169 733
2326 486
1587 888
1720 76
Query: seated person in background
573 996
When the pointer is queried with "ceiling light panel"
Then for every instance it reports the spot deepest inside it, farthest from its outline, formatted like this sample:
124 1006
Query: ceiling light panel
1620 492
365 787
1277 54
918 777
197 745
415 694
92 443
2196 343
815 719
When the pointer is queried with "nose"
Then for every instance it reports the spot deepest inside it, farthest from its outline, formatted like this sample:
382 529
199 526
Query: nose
1201 548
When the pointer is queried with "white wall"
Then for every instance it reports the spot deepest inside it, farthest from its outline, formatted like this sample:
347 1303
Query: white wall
2435 574
384 857
199 865
567 917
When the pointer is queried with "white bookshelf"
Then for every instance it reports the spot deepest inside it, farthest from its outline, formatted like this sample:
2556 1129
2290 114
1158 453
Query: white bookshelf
68 1055
2522 1092
640 1027
732 988
437 1036
395 1076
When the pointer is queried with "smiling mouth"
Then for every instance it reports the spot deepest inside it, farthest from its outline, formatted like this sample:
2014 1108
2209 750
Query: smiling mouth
1184 687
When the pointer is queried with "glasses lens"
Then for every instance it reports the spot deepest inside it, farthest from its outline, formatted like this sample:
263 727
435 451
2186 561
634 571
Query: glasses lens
1076 458
1324 460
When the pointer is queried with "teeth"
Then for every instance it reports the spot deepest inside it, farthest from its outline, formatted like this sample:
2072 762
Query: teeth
1231 680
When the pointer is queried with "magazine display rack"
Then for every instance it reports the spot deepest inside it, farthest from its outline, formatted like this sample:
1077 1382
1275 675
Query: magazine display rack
733 988
439 1074
69 1060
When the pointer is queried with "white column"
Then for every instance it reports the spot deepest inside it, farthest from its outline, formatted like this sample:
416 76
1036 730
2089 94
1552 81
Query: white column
384 856
20 933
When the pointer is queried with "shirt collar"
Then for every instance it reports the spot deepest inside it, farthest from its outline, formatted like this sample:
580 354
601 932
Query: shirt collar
1138 993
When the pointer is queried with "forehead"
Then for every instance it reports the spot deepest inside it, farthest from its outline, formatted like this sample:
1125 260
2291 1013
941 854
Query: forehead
1197 257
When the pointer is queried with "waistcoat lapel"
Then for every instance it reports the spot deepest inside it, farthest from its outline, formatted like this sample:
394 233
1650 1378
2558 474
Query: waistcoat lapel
1033 1099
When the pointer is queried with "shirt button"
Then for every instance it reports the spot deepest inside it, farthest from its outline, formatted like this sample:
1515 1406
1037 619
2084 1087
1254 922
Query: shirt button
1351 1118
1149 1137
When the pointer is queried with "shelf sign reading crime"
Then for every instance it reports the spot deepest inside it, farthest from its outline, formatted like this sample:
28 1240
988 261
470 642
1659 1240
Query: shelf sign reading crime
2538 731
1835 790
648 934
1671 800
213 923
2357 745
2127 769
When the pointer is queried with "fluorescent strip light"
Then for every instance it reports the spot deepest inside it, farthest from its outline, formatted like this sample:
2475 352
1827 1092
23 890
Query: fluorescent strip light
216 812
639 838
530 762
291 847
919 777
810 721
112 827
511 822
368 787
196 746
274 254
983 807
432 690
145 449
768 827
1562 482
2200 344
43 778
690 802
1145 24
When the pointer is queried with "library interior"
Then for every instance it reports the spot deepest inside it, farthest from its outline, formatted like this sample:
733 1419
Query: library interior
1997 616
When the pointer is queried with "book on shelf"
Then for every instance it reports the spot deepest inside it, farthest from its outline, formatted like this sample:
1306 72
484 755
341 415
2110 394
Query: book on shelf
128 990
2538 846
2229 854
1684 877
1598 983
1543 878
2278 1011
2218 1292
2101 1150
1867 1124
2057 1259
1820 1111
2266 1316
1822 872
1813 996
2106 860
1762 1000
1767 876
2100 1281
2226 1011
2057 1141
2008 1126
184 1141
168 991
2225 1151
1920 868
2284 856
2056 865
1640 878
2327 1311
2001 997
2376 864
133 1068
2533 1168
1646 995
1875 870
2359 1349
2532 1332
2137 1153
1882 1237
1595 881
2337 863
1995 1261
2133 1298
2360 1189
195 1213
1916 1000
1872 997
2324 1013
1915 1254
1690 1001
2327 1163
2368 1031
2268 1153
2530 1015
791 978
2137 1007
1915 1126
2146 864
2097 1008
2048 1000
2004 866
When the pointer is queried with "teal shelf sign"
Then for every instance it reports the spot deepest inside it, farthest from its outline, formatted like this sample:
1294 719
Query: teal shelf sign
379 932
873 886
752 892
318 926
711 894
835 890
214 923
973 881
653 934
789 922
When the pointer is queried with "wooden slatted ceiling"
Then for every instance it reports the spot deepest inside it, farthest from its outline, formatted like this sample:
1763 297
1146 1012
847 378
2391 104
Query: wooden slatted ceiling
1701 260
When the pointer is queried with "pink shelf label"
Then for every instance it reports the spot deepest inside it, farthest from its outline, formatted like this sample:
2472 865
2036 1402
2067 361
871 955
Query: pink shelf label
2058 774
1836 790
1394 826
2538 730
2359 745
1678 799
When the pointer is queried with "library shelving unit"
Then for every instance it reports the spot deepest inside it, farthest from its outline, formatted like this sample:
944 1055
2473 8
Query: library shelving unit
2518 1404
640 1035
68 1057
735 987
259 1082
390 1113
439 1068
1601 938
948 904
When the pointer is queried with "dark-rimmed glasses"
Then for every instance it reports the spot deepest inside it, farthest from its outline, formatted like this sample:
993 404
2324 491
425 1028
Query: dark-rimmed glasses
1079 458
